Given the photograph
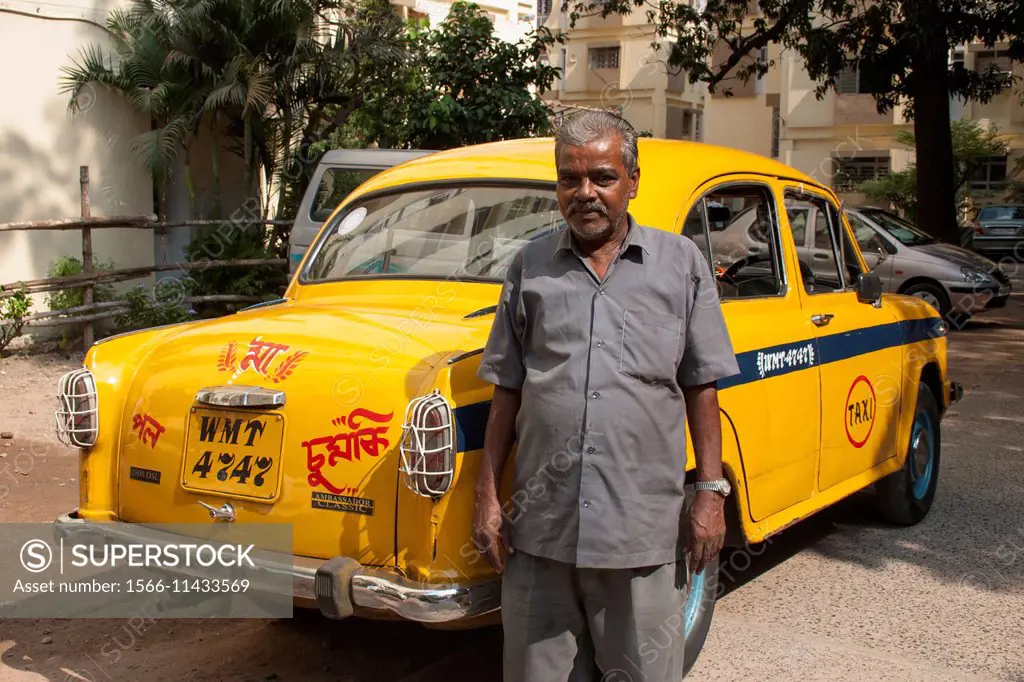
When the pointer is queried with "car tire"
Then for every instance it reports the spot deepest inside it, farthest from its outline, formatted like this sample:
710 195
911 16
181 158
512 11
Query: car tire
933 293
700 608
906 495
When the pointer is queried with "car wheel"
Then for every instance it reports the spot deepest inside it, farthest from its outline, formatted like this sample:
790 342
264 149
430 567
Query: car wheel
700 607
932 294
906 495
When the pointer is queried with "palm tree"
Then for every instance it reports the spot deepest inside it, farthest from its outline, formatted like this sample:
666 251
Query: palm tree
140 66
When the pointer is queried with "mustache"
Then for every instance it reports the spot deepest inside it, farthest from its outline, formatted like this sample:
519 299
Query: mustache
588 207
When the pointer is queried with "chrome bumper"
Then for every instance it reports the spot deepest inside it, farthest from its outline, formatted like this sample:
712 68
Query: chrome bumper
356 590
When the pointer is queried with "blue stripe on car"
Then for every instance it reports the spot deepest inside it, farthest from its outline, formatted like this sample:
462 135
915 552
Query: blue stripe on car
758 364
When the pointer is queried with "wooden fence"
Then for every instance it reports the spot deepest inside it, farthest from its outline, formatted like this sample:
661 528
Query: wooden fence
90 311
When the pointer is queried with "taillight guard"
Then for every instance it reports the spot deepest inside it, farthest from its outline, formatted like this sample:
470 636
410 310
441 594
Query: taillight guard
428 445
77 416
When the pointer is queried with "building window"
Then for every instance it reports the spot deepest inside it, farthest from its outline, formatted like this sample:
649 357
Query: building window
698 126
851 172
776 130
991 175
604 57
543 11
957 58
848 81
861 79
993 59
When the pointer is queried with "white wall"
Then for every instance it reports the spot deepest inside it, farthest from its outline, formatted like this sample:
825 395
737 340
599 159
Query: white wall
42 146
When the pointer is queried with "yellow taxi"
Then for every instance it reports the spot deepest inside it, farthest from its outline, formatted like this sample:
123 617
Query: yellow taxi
351 408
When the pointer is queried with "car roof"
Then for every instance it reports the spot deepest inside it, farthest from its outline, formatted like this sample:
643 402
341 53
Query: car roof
686 165
371 158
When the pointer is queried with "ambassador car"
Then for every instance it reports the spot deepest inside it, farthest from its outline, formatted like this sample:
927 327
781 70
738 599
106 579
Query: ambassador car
351 408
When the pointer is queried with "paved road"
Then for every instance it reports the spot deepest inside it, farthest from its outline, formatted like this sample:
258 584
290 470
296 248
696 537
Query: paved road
839 597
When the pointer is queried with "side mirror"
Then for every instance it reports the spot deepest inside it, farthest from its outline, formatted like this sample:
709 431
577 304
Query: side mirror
869 288
883 253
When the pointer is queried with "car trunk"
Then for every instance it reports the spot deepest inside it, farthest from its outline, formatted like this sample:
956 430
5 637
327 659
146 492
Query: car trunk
326 461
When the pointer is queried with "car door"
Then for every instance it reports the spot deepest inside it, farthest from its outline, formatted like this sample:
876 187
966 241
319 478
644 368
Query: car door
859 352
773 404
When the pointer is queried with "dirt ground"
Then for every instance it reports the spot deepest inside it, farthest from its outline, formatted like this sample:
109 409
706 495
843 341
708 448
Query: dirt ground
835 598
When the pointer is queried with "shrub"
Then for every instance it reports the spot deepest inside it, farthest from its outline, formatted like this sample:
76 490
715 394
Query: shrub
66 266
13 310
152 308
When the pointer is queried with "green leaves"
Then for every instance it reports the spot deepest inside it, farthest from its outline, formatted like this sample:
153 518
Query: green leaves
13 310
471 87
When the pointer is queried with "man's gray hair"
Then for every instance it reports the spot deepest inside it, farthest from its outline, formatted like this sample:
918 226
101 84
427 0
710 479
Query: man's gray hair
587 125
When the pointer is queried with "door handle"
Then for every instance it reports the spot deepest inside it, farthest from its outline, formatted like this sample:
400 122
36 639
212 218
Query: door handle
821 256
821 319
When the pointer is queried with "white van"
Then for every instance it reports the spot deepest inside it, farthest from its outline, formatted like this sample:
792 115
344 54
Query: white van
339 172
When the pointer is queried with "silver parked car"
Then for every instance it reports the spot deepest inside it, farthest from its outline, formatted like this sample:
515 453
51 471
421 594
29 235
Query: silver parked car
999 230
957 282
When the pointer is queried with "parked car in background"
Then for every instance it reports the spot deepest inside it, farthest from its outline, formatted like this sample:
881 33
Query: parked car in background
339 172
958 282
999 230
955 281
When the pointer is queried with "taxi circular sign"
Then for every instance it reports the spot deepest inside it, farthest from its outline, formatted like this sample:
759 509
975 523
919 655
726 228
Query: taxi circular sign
860 411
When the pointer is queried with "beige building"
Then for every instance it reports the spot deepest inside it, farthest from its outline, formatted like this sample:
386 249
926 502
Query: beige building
512 19
840 139
609 62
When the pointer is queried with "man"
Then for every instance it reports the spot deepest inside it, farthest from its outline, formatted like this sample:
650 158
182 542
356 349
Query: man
607 337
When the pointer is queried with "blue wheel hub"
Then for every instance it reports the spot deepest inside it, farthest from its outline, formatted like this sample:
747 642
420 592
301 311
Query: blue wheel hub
922 455
694 600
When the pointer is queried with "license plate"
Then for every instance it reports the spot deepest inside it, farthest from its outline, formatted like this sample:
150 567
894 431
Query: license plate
231 453
1004 230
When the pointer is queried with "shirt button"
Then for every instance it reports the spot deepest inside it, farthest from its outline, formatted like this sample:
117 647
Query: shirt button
586 503
591 450
601 291
600 344
595 395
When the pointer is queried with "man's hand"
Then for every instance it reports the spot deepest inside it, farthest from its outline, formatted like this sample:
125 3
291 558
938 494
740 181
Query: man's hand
707 528
490 533
489 528
707 513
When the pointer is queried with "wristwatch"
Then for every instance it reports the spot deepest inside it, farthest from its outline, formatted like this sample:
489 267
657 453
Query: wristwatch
720 486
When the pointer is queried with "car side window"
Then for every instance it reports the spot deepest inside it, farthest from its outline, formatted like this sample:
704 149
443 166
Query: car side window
819 265
696 228
822 238
736 228
865 235
847 251
798 226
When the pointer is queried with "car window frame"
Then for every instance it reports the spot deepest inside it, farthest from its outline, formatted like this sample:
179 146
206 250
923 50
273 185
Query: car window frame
804 193
778 249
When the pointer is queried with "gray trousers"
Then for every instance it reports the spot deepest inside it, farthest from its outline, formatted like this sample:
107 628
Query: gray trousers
569 624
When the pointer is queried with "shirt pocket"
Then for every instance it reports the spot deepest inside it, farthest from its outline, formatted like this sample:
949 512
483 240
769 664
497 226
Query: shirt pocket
650 346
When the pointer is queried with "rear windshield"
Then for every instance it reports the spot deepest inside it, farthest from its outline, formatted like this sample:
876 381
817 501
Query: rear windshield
1002 213
466 231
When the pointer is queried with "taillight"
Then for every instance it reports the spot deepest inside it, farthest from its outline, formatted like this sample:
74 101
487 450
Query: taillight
978 229
428 445
77 416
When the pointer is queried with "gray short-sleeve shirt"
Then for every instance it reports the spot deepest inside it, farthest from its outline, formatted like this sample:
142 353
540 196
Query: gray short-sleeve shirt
601 432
